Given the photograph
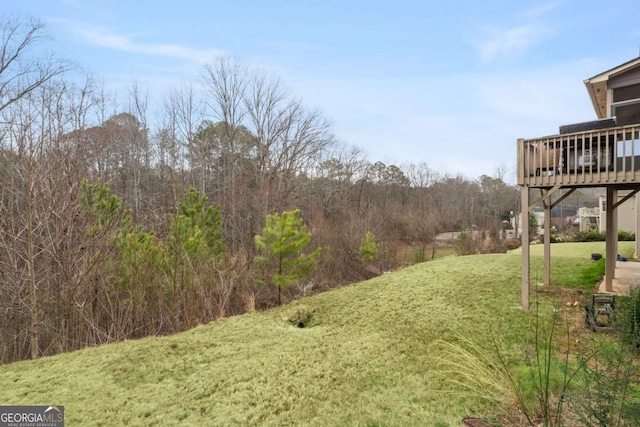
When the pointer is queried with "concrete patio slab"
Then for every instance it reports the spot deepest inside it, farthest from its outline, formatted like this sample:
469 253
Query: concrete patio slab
627 276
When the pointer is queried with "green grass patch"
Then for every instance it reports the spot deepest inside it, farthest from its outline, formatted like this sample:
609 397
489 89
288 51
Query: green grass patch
361 359
571 263
592 275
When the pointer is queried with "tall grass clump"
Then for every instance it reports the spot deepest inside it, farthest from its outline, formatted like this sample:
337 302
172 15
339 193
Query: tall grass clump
628 318
532 386
551 383
465 368
529 388
546 374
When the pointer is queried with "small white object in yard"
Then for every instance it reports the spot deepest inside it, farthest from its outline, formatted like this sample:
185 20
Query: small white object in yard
575 303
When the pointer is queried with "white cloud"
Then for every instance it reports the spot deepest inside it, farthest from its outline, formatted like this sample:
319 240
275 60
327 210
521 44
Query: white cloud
539 10
126 44
512 41
517 39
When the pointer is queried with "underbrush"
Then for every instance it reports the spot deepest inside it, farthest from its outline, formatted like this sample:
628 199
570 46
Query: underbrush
564 375
628 318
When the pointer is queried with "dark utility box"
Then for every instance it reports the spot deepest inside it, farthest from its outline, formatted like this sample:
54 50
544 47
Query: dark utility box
586 126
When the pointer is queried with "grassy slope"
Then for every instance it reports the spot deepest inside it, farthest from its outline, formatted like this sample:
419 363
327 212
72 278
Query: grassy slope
363 360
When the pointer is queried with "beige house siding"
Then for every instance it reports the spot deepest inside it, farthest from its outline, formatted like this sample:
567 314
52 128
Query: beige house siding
627 217
539 214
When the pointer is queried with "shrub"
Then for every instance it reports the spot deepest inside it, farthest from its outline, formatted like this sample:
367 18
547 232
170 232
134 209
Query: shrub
369 247
628 317
589 236
605 396
597 236
626 236
465 245
552 239
511 244
491 245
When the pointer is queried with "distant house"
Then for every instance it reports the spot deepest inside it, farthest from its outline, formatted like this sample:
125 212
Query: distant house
627 213
596 218
538 213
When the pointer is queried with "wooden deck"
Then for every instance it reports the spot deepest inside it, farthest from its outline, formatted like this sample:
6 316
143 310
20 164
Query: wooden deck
608 158
591 158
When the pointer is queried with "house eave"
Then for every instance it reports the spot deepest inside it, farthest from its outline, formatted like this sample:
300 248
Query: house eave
597 86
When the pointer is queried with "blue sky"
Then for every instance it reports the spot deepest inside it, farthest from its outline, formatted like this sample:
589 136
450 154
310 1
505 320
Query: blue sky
449 83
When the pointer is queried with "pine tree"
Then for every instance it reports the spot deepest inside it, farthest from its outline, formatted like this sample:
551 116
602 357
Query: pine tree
281 243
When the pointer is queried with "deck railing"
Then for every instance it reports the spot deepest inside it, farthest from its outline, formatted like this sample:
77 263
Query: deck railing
595 157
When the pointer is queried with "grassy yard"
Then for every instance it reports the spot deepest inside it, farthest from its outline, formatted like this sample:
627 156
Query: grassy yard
362 360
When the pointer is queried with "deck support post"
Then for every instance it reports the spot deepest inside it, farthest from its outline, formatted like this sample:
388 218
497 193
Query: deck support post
636 252
524 209
611 251
547 242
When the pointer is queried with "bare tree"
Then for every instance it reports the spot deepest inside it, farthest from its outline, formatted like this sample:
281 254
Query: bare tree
31 132
291 140
184 112
334 178
34 123
139 145
226 84
19 73
123 142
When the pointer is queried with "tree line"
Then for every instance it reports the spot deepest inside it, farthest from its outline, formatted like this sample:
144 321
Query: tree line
117 225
